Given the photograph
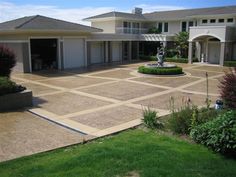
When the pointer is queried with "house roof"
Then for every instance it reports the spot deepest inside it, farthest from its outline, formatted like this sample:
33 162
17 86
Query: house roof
39 22
188 13
170 15
117 15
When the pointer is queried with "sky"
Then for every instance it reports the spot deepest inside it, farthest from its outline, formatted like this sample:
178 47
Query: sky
76 10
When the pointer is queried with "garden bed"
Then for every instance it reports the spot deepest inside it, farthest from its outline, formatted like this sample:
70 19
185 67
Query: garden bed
160 71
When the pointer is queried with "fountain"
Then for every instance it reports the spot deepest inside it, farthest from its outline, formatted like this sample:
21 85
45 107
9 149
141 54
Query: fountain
160 68
160 59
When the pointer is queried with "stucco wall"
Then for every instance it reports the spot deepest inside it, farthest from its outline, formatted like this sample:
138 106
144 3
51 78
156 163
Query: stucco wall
107 26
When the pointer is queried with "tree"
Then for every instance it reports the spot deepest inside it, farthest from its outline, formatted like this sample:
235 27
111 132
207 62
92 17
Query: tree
181 40
7 61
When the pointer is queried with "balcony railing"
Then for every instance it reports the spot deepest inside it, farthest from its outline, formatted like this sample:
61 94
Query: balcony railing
122 30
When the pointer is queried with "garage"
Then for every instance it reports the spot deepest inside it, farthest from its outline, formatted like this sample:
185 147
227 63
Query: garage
96 52
44 54
74 53
116 51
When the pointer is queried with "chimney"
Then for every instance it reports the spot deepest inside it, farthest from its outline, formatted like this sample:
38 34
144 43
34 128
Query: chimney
137 10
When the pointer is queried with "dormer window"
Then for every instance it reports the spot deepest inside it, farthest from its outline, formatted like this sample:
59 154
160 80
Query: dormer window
230 20
221 20
204 21
212 20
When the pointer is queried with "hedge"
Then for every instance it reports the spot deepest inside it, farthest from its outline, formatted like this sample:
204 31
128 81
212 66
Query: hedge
175 60
7 86
230 63
218 134
160 71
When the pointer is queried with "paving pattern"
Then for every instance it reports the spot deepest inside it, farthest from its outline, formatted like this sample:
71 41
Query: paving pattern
102 100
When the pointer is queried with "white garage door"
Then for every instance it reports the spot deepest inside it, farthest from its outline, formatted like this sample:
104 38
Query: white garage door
97 52
74 56
116 51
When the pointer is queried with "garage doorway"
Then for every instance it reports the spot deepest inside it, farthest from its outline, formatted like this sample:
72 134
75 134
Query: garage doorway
44 54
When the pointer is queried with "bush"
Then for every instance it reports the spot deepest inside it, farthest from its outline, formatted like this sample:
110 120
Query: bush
148 58
228 89
151 120
230 63
154 30
160 71
180 121
7 61
218 134
7 86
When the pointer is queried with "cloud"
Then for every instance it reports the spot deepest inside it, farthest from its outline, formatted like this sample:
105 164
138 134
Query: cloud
152 8
9 11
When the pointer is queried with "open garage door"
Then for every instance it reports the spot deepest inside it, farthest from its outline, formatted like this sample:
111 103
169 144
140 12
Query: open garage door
74 54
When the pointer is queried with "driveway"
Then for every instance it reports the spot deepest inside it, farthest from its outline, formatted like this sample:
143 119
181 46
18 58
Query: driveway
104 100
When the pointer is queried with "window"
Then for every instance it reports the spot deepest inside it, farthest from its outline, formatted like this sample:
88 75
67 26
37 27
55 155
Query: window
127 27
204 21
212 20
190 23
160 27
221 20
166 27
136 28
230 20
184 26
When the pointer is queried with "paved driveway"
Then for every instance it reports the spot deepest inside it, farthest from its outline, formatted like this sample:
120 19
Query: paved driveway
102 101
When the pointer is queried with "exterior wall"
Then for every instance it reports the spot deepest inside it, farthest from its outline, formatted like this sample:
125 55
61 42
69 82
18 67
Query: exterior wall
107 26
174 27
199 21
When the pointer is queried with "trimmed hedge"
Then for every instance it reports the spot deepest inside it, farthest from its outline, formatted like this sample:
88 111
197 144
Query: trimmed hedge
7 86
160 71
230 63
218 134
175 60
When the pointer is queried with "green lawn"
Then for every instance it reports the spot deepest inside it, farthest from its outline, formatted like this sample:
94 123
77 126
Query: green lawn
145 153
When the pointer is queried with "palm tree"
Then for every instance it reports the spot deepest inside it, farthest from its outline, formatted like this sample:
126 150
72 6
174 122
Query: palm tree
181 40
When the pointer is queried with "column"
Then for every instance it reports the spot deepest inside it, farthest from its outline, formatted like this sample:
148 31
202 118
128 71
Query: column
130 51
222 53
190 52
138 50
106 52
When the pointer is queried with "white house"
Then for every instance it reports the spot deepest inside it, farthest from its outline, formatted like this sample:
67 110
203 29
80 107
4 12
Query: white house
41 42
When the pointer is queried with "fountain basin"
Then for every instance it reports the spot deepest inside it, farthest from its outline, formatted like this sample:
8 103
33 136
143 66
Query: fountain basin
165 65
156 69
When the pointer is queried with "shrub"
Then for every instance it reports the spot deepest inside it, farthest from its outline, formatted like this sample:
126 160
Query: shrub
154 30
7 61
7 86
218 134
228 89
151 120
230 63
160 71
148 58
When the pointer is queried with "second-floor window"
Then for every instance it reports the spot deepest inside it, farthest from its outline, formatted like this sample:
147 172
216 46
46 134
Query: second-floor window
127 27
166 26
184 26
135 27
160 27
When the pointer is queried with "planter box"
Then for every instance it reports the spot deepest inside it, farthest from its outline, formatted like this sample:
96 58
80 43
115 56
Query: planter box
15 101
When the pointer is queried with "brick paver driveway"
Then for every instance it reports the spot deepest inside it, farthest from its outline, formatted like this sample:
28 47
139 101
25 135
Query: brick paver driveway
102 101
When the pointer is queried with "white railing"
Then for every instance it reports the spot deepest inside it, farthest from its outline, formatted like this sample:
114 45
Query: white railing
122 30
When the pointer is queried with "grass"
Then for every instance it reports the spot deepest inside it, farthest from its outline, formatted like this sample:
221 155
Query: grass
147 153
